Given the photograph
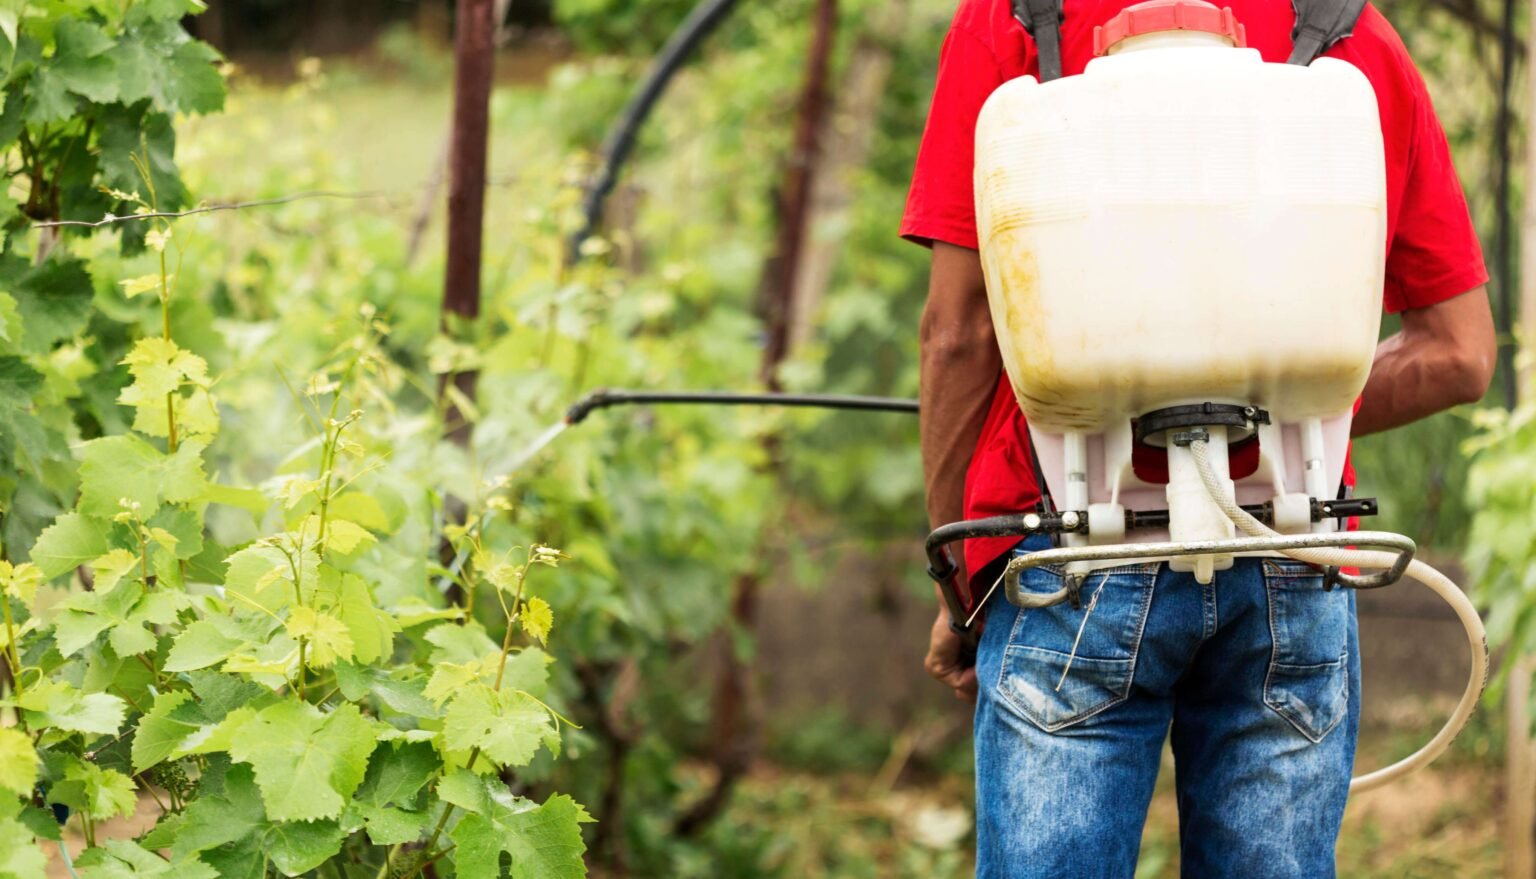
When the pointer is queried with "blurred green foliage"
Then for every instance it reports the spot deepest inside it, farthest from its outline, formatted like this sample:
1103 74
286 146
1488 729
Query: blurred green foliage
1501 548
662 509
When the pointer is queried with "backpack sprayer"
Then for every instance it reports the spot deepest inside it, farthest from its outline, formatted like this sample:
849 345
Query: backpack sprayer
1153 233
1223 188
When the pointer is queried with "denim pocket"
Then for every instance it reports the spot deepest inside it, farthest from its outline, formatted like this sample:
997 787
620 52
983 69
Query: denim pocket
1065 664
1308 679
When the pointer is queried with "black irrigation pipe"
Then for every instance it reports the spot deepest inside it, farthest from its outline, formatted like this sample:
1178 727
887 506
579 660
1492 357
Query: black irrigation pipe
604 399
620 142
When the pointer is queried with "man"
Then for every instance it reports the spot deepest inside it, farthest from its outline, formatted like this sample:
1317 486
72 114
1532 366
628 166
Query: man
1063 788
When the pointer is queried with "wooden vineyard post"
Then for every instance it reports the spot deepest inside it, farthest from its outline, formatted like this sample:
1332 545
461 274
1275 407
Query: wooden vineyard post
474 54
1520 750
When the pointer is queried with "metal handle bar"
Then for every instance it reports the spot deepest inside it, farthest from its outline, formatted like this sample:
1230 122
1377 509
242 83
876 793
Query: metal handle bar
1403 546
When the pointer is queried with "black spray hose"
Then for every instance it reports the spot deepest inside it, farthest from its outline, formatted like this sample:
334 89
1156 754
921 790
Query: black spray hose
603 399
704 18
607 398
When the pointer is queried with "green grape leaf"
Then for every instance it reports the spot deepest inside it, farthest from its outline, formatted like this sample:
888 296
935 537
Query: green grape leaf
160 370
121 859
164 10
448 678
18 762
168 724
10 329
197 415
232 831
387 803
13 114
53 299
460 644
156 60
388 825
41 822
218 736
125 612
71 541
214 821
163 834
20 857
543 841
218 694
10 323
256 570
185 525
307 764
248 499
346 538
195 85
111 568
413 612
20 581
81 60
118 468
269 663
159 366
507 727
401 695
397 773
57 704
372 630
87 787
18 383
204 643
538 619
528 670
129 132
49 98
364 509
325 637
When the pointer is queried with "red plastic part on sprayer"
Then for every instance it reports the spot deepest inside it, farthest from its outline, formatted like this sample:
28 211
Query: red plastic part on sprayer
1168 15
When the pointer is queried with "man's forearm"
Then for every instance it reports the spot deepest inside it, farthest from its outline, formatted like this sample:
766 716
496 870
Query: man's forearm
960 365
1443 357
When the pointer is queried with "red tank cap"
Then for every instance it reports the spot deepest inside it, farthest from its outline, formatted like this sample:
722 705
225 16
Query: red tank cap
1168 15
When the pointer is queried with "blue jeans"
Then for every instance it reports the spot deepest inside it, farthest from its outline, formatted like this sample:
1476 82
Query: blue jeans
1258 676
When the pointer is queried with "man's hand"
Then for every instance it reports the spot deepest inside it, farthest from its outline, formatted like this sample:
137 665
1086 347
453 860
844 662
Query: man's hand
943 660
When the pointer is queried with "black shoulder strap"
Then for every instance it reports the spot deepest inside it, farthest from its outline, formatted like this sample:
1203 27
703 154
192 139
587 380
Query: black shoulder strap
1042 19
1320 24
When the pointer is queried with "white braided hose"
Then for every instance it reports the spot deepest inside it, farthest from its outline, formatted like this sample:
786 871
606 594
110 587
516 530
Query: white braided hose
1440 584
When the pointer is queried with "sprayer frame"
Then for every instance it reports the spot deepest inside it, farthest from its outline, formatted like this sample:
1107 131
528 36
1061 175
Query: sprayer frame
1403 546
962 614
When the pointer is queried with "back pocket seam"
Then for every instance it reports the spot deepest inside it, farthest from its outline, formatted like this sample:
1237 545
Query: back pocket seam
1125 667
1342 665
1147 573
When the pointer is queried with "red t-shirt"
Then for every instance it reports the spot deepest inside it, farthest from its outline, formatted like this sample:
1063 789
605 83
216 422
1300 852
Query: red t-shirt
1433 252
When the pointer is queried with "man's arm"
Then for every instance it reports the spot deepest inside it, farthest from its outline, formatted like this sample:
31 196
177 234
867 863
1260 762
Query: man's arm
1443 356
960 364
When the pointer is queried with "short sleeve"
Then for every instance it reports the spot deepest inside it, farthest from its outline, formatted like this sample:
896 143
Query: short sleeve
940 204
1434 254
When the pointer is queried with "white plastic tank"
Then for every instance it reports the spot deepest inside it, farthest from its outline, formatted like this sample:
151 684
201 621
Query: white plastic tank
1182 223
